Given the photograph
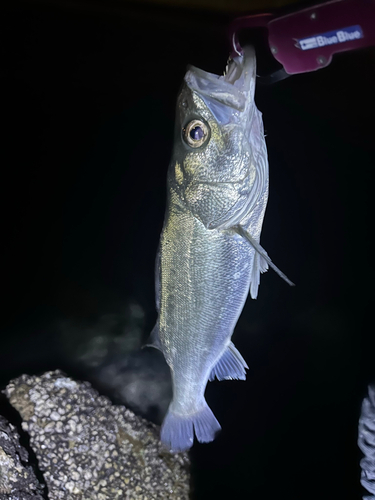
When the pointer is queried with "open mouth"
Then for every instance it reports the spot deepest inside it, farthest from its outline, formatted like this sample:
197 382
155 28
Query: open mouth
238 68
235 88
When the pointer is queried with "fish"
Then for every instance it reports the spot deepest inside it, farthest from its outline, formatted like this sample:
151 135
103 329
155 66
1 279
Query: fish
209 255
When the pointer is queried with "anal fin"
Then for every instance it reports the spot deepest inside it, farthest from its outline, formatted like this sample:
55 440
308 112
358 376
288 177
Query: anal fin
230 366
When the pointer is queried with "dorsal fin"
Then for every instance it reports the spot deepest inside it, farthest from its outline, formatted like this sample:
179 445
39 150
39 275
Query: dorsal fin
154 339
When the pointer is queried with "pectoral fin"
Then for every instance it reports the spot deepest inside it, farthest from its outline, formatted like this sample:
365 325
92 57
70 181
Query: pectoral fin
260 250
230 366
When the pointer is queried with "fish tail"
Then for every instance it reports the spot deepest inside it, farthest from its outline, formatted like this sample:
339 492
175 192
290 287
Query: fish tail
177 431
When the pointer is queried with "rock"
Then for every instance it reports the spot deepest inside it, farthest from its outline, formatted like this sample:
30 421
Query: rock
108 350
88 448
17 478
366 442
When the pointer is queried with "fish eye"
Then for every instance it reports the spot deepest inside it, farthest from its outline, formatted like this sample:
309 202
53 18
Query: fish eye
196 133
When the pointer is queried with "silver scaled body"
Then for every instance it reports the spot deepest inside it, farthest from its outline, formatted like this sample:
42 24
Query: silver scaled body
205 267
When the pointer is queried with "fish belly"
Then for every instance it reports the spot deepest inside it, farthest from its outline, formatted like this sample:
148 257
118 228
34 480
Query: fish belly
204 282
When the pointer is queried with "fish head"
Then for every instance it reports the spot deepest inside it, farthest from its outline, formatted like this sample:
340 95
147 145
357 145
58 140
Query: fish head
219 166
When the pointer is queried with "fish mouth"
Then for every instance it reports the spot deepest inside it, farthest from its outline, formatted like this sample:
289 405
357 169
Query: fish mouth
235 88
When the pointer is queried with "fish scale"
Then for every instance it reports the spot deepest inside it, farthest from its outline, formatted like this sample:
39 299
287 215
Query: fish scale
199 305
209 255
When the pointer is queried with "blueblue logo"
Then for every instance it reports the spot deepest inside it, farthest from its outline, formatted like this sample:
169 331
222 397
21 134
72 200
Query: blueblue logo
341 35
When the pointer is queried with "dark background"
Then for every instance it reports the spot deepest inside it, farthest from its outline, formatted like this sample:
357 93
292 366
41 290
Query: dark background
88 99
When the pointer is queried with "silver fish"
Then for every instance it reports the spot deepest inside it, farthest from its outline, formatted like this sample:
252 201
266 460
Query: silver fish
209 254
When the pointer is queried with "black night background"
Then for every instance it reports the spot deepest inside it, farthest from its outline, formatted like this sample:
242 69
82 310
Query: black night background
88 103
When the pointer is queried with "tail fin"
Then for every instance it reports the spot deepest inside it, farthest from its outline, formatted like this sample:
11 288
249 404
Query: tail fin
177 431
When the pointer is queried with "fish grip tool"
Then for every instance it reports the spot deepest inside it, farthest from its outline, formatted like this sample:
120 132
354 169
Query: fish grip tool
306 40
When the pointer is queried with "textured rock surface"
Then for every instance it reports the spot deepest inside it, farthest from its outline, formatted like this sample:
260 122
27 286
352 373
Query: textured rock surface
17 478
366 442
89 449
